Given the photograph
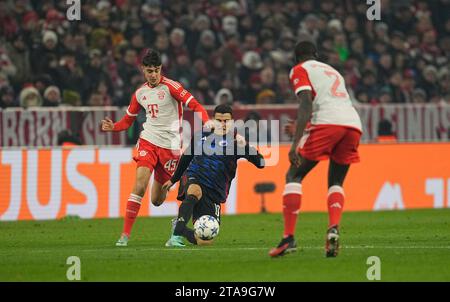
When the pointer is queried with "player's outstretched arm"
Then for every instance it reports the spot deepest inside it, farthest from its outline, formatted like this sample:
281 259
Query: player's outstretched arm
251 154
126 121
303 116
123 124
185 97
257 160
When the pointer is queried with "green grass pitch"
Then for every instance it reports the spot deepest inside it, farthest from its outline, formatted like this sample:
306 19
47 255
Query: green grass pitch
412 246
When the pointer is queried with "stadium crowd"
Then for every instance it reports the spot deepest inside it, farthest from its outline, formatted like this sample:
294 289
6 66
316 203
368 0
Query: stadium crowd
222 51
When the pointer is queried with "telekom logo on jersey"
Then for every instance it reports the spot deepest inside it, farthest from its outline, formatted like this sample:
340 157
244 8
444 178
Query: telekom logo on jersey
153 110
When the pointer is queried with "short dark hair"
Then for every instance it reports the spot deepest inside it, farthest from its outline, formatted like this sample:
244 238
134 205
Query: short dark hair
152 58
305 49
224 108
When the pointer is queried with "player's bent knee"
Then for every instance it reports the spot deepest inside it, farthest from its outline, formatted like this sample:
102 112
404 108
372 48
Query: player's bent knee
195 190
157 201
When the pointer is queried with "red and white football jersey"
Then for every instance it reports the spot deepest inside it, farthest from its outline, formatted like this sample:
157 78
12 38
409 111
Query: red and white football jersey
164 111
331 102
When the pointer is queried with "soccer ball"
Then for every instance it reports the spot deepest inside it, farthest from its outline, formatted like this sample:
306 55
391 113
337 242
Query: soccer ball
206 227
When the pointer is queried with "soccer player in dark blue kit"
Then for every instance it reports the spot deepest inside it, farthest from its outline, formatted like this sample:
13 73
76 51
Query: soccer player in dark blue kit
206 170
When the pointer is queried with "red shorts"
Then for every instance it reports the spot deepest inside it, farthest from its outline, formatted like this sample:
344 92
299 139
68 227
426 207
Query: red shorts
339 143
160 160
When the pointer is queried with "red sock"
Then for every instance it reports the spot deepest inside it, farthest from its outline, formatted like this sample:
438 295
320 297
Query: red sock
133 206
292 199
335 205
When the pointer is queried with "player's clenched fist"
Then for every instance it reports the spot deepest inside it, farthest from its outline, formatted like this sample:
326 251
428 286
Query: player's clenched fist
166 186
240 141
294 157
107 124
209 124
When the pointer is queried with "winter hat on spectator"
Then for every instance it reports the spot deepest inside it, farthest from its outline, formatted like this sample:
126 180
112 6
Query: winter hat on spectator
430 68
419 92
279 57
203 18
232 7
177 31
49 35
207 33
336 24
443 72
381 26
224 92
95 53
71 98
103 4
30 97
311 17
51 89
252 60
229 24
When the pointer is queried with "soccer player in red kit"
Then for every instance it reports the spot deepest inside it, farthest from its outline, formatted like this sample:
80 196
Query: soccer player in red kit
328 126
159 144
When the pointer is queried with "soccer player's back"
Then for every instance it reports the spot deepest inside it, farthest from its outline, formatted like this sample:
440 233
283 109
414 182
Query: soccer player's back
332 104
327 127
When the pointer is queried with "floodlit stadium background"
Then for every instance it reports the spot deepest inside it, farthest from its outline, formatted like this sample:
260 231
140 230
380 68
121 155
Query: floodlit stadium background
60 78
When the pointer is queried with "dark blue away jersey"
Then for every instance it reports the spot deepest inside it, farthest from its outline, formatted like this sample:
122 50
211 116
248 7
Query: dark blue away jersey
212 160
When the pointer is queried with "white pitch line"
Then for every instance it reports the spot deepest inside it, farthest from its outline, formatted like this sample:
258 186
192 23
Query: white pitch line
131 249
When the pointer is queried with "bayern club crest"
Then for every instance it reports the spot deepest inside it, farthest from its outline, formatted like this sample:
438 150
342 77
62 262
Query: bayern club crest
142 153
161 94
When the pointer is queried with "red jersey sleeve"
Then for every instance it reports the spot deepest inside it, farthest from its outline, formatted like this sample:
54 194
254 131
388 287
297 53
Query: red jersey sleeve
128 119
134 107
299 79
183 96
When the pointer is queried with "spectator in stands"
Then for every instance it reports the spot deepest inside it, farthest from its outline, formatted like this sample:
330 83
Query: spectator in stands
20 57
419 96
68 139
250 91
429 80
385 133
385 96
95 73
224 96
7 97
46 53
267 96
227 43
52 97
30 97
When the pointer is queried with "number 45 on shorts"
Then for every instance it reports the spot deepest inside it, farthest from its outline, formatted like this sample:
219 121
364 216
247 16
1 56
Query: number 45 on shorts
171 165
